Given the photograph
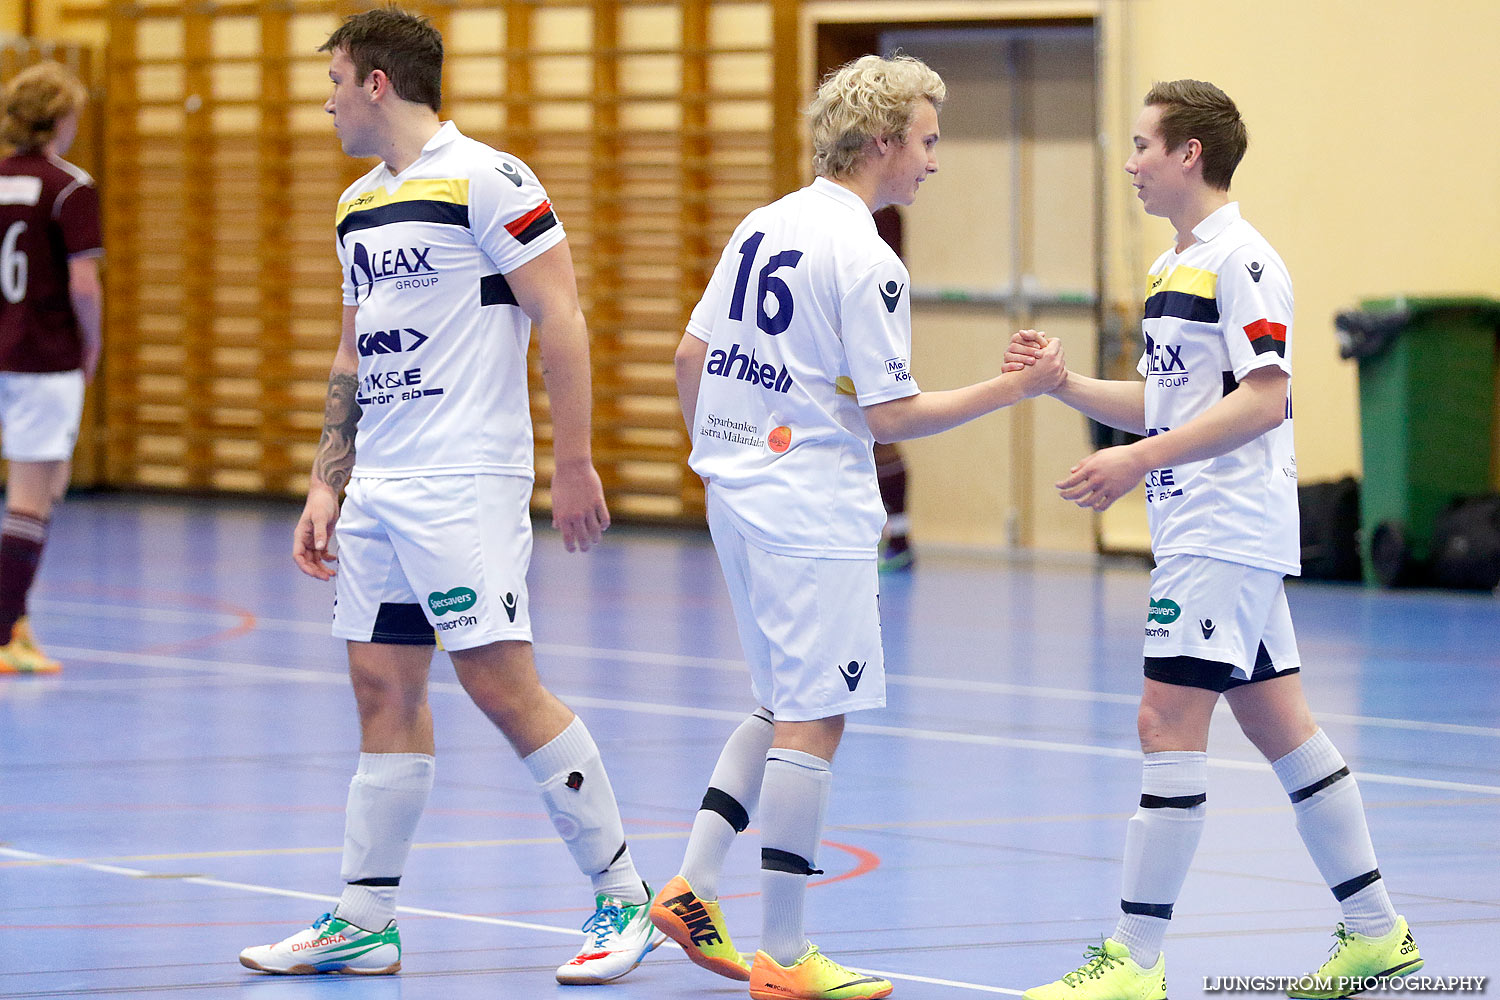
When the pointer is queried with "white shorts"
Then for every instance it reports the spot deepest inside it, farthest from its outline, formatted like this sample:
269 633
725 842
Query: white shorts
434 555
810 627
1208 614
39 415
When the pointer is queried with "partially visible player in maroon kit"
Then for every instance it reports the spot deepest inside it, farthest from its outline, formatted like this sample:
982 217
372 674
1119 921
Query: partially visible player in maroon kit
49 328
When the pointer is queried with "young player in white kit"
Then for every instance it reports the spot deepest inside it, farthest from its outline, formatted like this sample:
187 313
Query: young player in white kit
1221 492
795 361
450 250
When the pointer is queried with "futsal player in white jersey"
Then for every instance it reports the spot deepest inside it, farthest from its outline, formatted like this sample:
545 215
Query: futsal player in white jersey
1221 490
796 360
450 251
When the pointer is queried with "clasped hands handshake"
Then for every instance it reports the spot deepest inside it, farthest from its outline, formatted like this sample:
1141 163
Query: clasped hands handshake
1103 477
1039 361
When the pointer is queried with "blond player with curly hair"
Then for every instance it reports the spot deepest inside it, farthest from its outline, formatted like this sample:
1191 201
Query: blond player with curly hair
796 360
49 329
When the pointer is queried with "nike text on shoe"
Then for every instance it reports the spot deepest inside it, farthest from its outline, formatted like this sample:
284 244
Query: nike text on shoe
1109 974
1358 962
698 926
814 976
615 940
329 945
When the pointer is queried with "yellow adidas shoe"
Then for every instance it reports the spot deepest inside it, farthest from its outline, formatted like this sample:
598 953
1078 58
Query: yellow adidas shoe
1359 962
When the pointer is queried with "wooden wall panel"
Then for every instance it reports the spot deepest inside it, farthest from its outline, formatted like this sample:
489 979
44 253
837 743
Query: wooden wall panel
16 54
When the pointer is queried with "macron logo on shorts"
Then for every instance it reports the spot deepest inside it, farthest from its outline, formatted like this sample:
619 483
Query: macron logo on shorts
852 672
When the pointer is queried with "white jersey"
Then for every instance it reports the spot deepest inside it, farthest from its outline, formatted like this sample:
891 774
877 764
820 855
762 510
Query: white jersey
441 340
1215 312
807 318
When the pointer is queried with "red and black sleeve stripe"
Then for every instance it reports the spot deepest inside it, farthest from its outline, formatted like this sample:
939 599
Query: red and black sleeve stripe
1266 337
533 224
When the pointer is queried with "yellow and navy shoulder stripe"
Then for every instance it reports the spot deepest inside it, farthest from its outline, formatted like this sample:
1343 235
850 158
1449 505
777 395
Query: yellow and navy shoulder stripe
1183 293
444 201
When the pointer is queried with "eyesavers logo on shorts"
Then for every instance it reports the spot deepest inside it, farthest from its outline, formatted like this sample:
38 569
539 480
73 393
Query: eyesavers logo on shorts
408 266
458 600
1165 611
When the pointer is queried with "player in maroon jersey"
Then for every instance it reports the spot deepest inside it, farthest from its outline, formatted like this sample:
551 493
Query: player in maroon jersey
49 328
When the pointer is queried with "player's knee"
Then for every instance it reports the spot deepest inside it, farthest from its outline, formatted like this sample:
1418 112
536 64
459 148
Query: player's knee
379 694
1277 735
1149 725
503 699
1160 730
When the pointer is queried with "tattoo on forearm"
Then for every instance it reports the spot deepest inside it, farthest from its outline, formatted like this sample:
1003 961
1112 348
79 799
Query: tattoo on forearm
335 458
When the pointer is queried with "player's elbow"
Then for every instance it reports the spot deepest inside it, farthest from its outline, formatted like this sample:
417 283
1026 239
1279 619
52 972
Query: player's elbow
887 421
690 355
1271 406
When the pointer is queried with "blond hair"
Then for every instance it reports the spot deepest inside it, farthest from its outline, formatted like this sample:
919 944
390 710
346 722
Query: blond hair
37 99
868 98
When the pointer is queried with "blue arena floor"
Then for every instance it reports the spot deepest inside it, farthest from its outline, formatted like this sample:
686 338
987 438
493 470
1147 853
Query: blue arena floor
177 792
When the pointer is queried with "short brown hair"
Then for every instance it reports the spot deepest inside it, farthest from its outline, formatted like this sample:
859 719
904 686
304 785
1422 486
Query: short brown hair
872 96
405 47
1192 109
36 100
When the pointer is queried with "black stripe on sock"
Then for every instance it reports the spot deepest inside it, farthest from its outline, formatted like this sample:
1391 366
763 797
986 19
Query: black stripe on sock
719 801
773 860
1161 911
1344 890
1318 786
1173 801
378 883
618 855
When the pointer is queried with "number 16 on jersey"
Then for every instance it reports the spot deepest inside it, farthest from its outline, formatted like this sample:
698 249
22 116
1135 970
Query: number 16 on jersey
767 284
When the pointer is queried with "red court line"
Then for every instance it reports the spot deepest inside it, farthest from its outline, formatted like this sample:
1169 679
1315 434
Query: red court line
245 624
865 863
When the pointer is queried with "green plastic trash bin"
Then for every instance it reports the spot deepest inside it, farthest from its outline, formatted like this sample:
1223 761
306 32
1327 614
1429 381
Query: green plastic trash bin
1427 405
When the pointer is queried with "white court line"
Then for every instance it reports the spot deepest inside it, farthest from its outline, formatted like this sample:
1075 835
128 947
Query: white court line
941 982
266 890
328 677
738 666
420 911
